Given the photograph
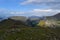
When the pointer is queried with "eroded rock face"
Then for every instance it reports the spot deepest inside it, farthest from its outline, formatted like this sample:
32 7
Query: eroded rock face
50 23
47 23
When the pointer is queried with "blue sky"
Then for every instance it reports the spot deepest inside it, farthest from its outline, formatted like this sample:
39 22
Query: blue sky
29 7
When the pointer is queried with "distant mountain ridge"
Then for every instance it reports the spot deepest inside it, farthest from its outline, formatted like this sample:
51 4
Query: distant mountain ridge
30 21
18 18
56 16
23 18
34 18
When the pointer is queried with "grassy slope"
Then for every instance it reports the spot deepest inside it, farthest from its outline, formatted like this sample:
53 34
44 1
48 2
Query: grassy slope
23 32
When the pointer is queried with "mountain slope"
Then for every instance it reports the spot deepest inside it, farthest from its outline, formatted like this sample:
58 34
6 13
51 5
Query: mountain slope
10 30
9 23
19 18
57 16
17 30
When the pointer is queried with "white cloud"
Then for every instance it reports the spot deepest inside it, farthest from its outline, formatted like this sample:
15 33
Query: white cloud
17 12
54 4
35 12
36 1
44 12
6 13
39 1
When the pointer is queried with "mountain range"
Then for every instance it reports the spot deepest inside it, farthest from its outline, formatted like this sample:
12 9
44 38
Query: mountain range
23 18
15 28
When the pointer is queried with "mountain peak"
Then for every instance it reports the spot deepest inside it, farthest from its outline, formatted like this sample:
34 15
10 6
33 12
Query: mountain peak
57 14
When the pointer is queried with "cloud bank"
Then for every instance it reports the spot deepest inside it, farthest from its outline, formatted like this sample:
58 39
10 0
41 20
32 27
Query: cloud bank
54 4
34 12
